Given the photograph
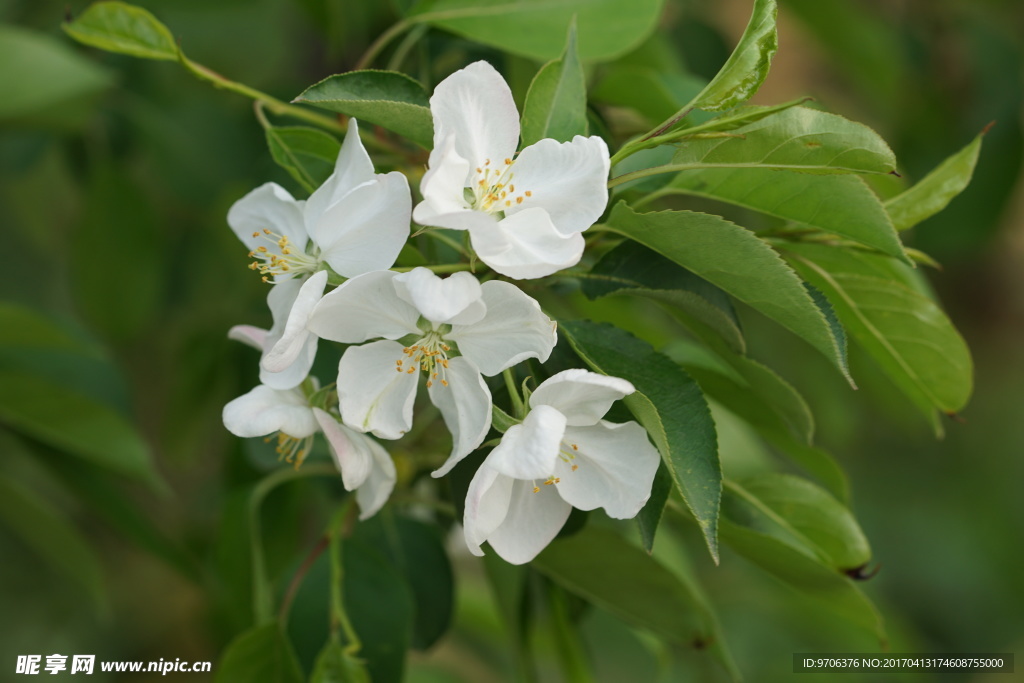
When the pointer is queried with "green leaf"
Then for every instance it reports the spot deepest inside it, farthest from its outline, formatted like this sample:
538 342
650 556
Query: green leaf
837 204
906 333
823 523
306 153
127 29
737 261
24 329
670 406
385 98
537 28
334 665
796 139
650 515
380 605
556 104
41 73
52 537
632 268
934 192
416 550
747 66
603 568
806 574
654 93
261 654
74 424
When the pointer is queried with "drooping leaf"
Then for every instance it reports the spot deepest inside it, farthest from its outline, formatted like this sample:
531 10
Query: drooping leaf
44 529
380 604
41 73
537 28
738 262
748 64
385 98
822 522
796 139
73 423
261 654
556 104
670 405
602 567
306 153
906 333
416 550
631 268
22 328
127 29
934 192
806 574
837 204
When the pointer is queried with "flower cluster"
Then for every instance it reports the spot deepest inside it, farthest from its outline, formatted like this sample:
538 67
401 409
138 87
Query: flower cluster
523 215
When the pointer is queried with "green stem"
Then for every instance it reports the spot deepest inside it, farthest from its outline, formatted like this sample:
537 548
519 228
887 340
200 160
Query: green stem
382 41
341 528
667 168
300 575
441 237
402 51
443 268
567 641
518 407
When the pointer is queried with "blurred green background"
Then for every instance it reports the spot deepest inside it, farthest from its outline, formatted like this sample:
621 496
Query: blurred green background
115 178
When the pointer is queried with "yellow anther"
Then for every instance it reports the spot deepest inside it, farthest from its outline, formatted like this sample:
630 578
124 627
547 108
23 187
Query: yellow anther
519 200
398 369
536 489
411 370
429 384
575 467
508 203
487 162
511 188
398 362
508 162
528 193
261 249
479 170
444 382
265 279
574 447
256 234
266 231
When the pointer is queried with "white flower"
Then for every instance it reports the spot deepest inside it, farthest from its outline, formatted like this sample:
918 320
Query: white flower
524 214
491 327
365 466
563 455
355 223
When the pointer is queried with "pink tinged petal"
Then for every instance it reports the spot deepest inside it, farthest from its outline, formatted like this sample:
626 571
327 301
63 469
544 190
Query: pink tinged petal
270 207
352 169
364 464
295 337
582 396
513 330
249 335
373 396
465 406
615 469
487 501
526 245
264 411
568 180
530 450
365 229
533 521
447 300
442 185
365 307
476 106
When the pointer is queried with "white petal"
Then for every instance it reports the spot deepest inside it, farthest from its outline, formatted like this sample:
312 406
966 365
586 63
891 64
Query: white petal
456 297
487 502
249 335
442 184
465 405
568 180
374 397
513 330
476 106
463 219
365 229
364 464
582 396
533 521
281 299
270 207
264 411
352 168
526 245
529 450
295 338
365 307
616 467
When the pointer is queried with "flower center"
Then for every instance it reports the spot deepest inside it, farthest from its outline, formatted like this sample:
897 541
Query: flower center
567 453
291 448
279 258
430 355
493 190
